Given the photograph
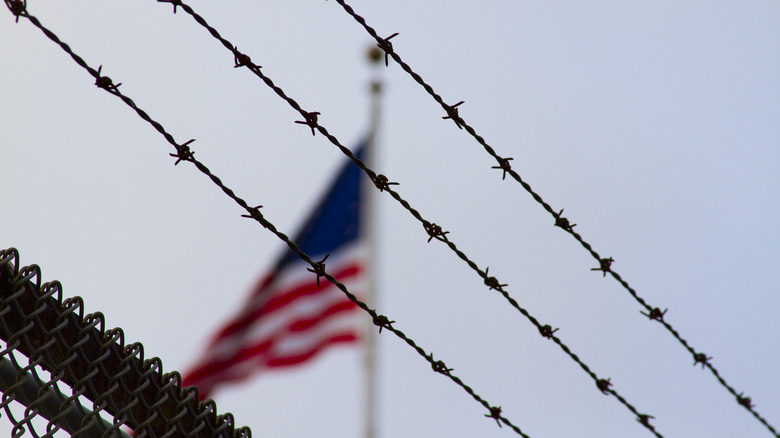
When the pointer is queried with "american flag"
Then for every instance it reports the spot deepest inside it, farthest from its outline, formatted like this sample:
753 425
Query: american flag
289 318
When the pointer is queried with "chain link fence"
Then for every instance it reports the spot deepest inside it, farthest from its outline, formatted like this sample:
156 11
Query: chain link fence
62 373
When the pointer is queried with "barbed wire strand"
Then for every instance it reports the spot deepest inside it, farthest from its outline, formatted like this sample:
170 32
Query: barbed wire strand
382 183
184 153
505 167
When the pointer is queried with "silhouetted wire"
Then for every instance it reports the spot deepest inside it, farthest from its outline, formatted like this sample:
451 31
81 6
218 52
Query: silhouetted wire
505 167
184 153
434 231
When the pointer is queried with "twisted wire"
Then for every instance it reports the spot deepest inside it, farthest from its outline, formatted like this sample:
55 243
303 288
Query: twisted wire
433 230
183 153
504 166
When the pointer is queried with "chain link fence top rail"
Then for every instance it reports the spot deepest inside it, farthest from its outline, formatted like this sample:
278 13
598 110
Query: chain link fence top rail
62 357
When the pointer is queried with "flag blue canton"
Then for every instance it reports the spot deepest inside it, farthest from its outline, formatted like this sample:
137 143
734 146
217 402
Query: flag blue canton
336 221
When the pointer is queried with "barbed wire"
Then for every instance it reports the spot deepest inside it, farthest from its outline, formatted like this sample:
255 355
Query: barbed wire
383 184
560 221
185 153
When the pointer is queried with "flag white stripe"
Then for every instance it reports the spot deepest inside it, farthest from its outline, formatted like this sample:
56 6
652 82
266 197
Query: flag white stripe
272 323
284 346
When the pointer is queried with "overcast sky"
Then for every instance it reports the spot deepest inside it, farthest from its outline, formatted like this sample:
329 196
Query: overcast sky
655 125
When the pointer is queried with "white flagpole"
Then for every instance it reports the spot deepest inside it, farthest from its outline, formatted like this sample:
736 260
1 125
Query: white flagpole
375 56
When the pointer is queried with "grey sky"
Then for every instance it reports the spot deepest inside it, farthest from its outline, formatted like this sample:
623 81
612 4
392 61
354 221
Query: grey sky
655 125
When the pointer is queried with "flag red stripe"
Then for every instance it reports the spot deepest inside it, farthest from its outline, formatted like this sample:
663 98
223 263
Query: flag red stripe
207 384
302 357
278 301
260 346
302 325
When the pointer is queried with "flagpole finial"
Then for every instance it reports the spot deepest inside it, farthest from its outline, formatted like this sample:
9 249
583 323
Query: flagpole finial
375 55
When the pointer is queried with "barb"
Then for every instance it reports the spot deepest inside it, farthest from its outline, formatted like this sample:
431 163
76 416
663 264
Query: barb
185 154
381 182
452 113
17 7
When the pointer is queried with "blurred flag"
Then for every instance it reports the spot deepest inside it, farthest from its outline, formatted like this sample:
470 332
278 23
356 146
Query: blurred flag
289 318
